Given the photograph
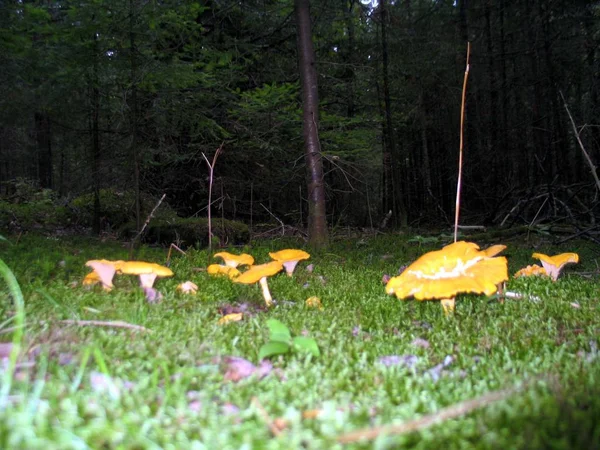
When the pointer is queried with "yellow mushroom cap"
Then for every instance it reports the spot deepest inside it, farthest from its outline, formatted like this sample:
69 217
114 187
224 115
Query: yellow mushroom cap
456 268
557 260
289 255
91 278
218 269
143 268
255 273
532 270
494 250
289 258
116 264
554 264
232 260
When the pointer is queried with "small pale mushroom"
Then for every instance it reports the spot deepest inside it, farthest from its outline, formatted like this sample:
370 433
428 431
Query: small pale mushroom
218 269
104 271
232 260
189 287
289 258
259 274
554 264
456 268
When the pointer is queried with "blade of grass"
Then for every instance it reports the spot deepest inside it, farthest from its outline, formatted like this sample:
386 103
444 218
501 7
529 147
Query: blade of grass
17 295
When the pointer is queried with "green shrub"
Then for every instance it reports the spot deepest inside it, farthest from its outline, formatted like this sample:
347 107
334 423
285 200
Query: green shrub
37 215
117 208
194 231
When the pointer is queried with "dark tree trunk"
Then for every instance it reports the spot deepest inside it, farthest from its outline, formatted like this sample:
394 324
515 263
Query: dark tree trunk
95 134
317 220
492 139
44 148
133 115
397 204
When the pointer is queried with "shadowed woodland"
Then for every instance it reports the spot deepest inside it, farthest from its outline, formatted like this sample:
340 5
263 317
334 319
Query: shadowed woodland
133 98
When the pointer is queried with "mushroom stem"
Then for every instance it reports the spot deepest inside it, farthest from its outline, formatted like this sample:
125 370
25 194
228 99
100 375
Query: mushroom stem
265 291
289 267
147 279
448 305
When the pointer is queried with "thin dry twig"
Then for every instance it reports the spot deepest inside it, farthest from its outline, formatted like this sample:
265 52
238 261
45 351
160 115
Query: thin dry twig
148 219
211 170
276 218
171 247
103 323
461 145
451 412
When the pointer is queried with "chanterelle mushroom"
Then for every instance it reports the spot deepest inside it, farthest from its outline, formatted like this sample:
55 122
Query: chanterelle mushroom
554 264
289 258
259 274
232 260
148 272
456 268
218 269
105 270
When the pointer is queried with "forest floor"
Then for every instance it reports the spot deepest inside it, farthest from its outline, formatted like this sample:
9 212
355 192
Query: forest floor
519 374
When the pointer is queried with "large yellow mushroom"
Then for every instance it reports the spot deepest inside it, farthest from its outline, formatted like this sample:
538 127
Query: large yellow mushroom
442 274
289 258
259 274
148 272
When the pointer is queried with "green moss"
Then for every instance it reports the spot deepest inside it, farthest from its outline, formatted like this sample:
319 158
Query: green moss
117 208
194 231
40 216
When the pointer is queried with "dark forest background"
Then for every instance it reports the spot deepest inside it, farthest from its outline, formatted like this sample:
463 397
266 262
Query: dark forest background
128 95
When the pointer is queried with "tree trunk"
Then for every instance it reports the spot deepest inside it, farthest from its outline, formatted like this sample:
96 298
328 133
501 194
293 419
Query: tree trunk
317 220
133 116
390 156
44 148
94 128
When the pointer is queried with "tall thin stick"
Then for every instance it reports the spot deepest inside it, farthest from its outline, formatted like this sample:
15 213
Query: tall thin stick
211 170
460 148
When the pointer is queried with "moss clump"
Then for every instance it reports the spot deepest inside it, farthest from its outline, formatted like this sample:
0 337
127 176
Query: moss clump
117 208
43 216
194 231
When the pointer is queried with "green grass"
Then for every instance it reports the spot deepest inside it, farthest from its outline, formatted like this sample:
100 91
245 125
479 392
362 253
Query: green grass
95 387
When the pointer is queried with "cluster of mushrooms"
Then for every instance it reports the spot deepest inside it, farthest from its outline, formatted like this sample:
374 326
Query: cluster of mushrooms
105 270
462 267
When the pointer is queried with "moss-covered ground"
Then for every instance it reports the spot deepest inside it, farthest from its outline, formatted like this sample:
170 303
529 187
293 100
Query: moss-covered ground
382 361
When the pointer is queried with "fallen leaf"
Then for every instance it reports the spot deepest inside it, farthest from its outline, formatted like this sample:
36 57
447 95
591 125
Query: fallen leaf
239 368
314 302
408 361
436 371
5 349
106 384
420 342
235 317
